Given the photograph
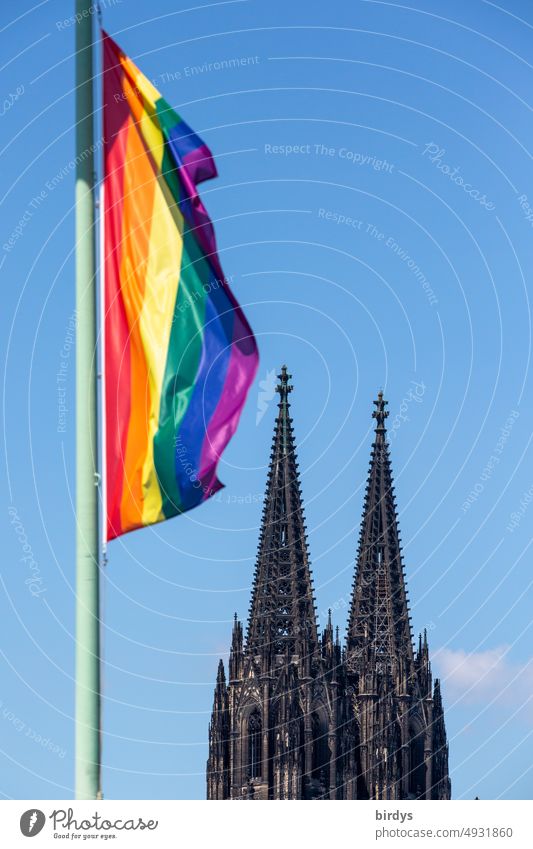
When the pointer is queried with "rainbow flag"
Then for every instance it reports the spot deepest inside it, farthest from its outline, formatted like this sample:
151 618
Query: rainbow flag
179 354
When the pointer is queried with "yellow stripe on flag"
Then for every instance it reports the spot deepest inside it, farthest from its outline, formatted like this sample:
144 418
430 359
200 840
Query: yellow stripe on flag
161 287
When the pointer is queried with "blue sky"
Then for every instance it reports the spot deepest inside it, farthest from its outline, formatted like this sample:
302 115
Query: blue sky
373 202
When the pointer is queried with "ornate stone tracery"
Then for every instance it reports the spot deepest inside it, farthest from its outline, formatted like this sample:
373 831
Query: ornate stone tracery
298 717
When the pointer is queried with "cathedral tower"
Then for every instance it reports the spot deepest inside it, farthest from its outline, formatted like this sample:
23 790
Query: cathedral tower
395 746
274 728
299 719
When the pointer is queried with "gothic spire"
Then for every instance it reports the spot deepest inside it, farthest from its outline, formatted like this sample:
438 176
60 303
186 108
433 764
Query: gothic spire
441 785
299 719
236 657
217 772
282 616
219 700
379 629
221 677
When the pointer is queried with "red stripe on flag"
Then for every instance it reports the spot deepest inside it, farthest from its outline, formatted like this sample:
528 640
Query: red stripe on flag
117 342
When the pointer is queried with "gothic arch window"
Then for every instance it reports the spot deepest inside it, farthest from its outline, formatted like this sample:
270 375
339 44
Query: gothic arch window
417 766
320 762
254 744
398 760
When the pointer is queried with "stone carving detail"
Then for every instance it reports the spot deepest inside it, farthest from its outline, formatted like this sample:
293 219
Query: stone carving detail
364 723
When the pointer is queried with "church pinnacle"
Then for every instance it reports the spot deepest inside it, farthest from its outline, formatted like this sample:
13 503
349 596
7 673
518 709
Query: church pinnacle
282 616
400 749
299 718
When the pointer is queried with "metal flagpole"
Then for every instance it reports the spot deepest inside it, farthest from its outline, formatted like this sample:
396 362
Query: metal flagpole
87 479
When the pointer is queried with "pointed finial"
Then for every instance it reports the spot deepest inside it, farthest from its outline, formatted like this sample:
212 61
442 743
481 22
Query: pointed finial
284 386
380 413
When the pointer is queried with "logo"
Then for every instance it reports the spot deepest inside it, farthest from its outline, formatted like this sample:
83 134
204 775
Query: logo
267 393
32 822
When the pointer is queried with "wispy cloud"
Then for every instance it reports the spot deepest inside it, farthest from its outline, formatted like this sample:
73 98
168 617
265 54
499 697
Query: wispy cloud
486 677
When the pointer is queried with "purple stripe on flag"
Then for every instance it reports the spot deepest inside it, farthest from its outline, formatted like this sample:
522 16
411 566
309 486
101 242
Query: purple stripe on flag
240 374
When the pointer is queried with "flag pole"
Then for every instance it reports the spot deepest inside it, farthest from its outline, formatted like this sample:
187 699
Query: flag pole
88 769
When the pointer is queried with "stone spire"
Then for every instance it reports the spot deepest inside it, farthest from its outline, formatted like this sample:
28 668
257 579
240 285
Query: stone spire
441 785
282 615
379 630
396 741
284 694
300 718
217 764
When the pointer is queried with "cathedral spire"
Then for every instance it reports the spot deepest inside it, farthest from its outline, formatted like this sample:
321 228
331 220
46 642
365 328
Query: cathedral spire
402 750
380 413
379 626
284 388
441 785
282 616
303 719
236 657
217 772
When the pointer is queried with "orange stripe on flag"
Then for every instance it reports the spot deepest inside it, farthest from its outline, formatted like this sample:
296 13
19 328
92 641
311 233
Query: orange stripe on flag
139 187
